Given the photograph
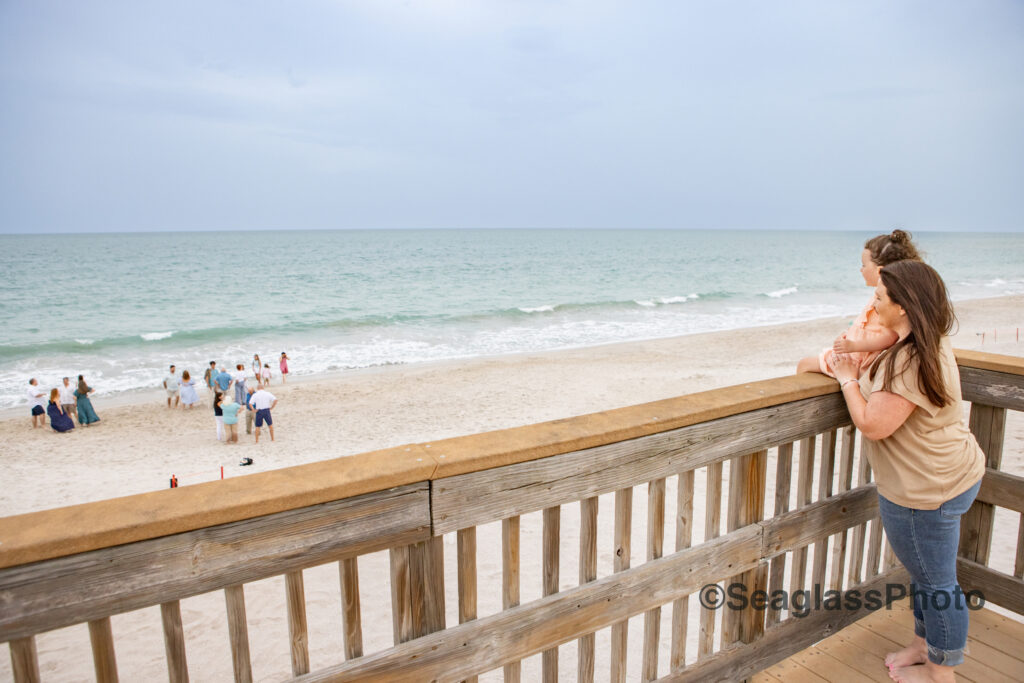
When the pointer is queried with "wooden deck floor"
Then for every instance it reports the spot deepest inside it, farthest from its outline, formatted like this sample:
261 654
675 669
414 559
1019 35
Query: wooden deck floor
995 651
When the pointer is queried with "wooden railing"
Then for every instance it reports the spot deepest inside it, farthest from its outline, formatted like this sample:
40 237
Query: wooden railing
785 442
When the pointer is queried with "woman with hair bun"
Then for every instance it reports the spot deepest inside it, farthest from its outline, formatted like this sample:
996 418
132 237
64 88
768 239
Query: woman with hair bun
927 464
866 337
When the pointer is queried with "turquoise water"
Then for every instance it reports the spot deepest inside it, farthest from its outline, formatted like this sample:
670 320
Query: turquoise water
120 307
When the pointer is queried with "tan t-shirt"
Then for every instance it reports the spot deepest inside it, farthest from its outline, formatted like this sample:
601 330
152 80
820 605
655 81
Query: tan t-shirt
931 457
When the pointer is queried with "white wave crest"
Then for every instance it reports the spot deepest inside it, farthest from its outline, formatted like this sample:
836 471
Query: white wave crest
647 303
154 336
85 342
677 299
538 309
779 293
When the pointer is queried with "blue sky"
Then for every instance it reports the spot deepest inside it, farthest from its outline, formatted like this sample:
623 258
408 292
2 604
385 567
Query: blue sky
137 116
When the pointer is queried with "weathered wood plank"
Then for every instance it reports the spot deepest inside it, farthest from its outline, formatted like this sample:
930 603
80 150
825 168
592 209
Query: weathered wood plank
489 642
24 660
844 483
857 544
103 658
655 549
998 588
238 633
754 470
1018 563
70 590
1003 490
484 496
428 589
988 425
825 489
804 488
992 388
684 536
712 528
874 547
793 529
298 633
551 545
174 642
510 581
466 550
788 638
621 561
401 598
588 573
783 478
351 613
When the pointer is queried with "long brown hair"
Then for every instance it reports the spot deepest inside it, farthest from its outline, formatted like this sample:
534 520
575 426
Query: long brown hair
896 246
918 289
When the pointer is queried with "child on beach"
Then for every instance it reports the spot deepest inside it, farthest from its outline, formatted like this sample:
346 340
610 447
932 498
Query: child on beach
867 337
284 367
266 374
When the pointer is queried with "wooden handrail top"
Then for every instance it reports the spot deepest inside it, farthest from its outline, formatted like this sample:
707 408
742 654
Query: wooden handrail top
59 532
997 362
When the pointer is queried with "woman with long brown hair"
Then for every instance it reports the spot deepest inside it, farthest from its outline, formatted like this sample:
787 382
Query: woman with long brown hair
927 465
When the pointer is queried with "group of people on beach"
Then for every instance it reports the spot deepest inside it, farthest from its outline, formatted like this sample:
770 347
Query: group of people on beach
60 404
232 393
898 375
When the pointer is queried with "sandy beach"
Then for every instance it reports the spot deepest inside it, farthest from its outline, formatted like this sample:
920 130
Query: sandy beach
137 447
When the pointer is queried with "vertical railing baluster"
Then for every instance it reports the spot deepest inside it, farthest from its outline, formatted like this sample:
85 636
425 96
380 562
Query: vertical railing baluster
804 484
623 545
238 633
712 528
684 537
466 550
655 549
105 662
859 538
351 613
845 482
551 545
510 581
825 490
783 476
174 642
588 573
298 634
24 660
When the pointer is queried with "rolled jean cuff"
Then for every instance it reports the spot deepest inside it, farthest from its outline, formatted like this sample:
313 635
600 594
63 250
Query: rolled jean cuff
946 657
919 628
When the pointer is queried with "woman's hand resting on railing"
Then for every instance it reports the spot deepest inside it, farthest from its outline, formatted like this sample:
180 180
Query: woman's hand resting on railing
876 418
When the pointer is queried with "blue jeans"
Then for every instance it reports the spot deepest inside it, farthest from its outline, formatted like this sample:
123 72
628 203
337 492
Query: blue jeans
926 542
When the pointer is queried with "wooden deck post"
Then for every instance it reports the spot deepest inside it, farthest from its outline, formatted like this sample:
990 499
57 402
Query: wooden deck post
417 589
748 479
988 424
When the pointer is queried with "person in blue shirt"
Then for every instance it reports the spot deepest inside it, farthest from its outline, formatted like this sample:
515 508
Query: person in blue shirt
223 380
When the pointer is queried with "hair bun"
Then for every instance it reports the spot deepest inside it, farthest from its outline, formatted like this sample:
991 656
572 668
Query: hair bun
900 237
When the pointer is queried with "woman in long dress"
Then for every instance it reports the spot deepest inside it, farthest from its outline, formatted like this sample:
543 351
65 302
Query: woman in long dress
189 395
86 414
59 420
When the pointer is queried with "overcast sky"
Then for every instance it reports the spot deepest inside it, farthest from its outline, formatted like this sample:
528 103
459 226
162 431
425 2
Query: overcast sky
132 116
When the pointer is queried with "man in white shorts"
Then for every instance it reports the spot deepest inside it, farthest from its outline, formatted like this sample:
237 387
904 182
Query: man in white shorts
172 387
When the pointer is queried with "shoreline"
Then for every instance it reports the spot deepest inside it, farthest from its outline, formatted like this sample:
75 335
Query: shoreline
139 443
146 396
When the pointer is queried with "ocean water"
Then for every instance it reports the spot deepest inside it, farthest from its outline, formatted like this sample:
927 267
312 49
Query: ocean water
120 307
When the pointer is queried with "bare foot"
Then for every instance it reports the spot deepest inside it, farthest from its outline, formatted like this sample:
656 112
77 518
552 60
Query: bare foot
915 653
923 673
